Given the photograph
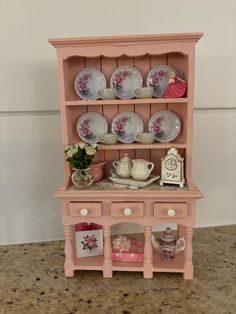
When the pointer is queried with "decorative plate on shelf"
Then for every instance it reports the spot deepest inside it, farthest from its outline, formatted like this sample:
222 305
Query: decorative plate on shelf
127 125
125 80
165 125
88 82
159 78
90 126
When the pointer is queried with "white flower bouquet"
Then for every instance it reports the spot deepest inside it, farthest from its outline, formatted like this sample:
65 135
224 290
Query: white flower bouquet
80 155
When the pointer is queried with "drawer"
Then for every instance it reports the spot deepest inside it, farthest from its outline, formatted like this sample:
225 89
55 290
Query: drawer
127 209
170 210
78 209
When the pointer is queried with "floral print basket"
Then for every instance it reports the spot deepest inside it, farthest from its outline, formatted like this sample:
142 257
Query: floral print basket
89 240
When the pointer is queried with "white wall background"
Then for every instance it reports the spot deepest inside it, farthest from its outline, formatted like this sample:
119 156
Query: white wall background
30 145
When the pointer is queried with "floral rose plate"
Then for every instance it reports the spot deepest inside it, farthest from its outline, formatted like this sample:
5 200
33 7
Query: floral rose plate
159 78
125 80
127 125
89 82
165 125
90 126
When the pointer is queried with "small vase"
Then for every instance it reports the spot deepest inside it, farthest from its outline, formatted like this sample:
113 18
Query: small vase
82 178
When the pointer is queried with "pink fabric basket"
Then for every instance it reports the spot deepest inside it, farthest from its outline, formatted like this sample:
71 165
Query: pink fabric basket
134 254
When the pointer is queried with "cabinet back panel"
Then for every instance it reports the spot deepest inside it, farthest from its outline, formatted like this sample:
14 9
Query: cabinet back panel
107 65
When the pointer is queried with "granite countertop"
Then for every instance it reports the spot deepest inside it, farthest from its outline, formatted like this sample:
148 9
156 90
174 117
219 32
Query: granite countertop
32 281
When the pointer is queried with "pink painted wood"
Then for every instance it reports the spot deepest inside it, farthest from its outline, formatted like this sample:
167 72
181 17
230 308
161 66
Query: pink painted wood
149 206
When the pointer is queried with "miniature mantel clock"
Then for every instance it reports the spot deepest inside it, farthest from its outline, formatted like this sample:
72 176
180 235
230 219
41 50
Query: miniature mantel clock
172 168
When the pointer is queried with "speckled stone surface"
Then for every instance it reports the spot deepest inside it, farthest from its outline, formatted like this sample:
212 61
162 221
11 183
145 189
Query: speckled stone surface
32 281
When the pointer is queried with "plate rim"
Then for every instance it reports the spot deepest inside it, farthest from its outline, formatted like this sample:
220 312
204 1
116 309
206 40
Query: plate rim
125 66
123 112
91 69
172 138
89 113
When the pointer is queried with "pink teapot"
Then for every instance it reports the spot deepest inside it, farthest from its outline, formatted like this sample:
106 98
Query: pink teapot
169 245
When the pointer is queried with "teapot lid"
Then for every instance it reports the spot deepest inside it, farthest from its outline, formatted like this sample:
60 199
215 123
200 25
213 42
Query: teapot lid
125 158
168 235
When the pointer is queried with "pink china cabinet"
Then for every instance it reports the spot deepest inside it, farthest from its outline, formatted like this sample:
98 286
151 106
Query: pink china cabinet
155 204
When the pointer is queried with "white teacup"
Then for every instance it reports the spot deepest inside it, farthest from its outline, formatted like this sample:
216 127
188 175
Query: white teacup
145 138
107 93
144 92
108 138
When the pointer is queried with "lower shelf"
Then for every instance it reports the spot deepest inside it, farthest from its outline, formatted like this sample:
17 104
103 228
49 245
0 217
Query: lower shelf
89 263
159 265
175 265
127 266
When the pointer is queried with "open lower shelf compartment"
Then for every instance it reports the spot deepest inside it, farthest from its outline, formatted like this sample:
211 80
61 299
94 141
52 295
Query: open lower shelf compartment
176 265
159 265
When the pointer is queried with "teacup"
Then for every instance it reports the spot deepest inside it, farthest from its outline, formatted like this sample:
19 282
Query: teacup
108 138
107 93
145 138
144 92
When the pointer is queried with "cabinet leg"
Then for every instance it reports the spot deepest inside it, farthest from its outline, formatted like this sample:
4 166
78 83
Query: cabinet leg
188 266
148 266
69 254
107 264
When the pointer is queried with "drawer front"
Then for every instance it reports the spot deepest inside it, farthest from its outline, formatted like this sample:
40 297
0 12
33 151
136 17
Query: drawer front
78 209
127 209
170 210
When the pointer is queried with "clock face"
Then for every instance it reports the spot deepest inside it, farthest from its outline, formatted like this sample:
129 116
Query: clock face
171 164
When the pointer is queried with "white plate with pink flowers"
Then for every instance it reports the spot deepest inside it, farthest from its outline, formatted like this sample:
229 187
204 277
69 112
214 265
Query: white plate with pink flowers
88 82
90 126
159 78
165 125
127 125
125 80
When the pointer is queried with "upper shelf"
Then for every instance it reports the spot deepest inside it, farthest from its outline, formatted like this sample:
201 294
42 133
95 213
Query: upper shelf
126 102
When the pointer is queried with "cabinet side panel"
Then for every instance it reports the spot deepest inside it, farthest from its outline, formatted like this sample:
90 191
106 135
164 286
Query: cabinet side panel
156 154
143 65
73 114
72 66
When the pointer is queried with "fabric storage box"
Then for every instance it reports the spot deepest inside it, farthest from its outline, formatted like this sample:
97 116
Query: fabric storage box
89 239
134 254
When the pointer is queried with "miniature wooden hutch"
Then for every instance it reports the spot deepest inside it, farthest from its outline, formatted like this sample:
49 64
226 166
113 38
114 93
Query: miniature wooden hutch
151 205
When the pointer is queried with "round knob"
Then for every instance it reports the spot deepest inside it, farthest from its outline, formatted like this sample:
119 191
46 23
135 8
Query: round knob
84 212
127 211
171 212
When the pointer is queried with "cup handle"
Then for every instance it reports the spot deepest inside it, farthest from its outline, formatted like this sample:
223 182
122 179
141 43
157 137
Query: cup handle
180 245
115 164
152 166
100 139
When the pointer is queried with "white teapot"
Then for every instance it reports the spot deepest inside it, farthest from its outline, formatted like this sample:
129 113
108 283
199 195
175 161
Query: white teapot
141 169
123 167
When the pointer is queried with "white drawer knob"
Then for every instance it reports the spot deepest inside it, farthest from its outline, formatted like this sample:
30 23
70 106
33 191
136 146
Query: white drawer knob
127 211
171 212
84 212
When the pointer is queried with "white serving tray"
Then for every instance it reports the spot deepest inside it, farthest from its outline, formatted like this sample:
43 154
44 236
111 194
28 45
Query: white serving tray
131 182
